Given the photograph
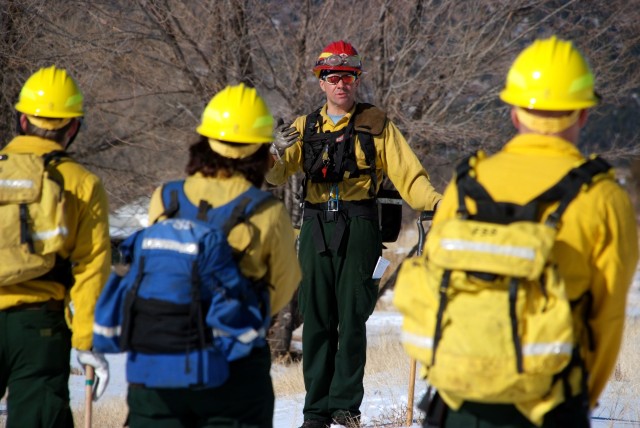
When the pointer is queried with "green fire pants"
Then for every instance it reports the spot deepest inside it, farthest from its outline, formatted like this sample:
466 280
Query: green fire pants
337 295
246 400
35 347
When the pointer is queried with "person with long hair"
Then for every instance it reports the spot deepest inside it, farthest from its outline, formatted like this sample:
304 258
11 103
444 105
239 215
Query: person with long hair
230 158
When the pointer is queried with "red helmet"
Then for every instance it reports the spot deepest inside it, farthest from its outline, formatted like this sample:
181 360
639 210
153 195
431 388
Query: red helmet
338 56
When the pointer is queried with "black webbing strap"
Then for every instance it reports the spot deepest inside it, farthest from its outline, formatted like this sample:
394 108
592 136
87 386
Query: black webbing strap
195 313
128 308
173 208
338 232
203 210
241 213
564 375
318 214
312 120
366 143
468 185
515 336
502 212
442 305
54 156
369 149
237 216
568 188
318 234
25 236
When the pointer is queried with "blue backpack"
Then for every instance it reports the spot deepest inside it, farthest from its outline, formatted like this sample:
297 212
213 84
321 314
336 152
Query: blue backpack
184 301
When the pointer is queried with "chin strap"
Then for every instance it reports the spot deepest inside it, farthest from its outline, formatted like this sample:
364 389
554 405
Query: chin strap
19 129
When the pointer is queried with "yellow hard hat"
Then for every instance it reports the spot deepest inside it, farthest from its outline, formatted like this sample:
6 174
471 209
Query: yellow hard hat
50 92
550 74
237 114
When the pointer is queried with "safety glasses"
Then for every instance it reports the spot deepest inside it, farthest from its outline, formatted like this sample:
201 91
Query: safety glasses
347 79
338 60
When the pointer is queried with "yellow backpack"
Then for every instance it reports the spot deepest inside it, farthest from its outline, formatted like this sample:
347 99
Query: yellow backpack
485 310
32 221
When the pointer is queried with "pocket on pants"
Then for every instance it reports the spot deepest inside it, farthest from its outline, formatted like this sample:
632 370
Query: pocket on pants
48 337
366 297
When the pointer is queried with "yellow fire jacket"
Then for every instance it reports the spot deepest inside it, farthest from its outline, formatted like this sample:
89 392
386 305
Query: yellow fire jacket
87 246
596 247
394 158
270 253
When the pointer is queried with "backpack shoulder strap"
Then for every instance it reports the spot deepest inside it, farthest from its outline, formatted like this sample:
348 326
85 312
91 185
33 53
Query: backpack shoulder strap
311 121
308 135
244 206
564 191
54 157
369 149
468 185
175 202
576 180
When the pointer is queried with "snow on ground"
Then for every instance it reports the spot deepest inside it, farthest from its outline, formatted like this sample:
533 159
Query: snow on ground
129 218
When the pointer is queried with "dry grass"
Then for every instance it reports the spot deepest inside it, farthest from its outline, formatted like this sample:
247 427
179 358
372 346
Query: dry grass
287 378
387 367
107 413
625 382
385 357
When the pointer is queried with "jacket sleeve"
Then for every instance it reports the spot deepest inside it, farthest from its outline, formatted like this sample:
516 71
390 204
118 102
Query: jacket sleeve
283 271
614 262
91 258
405 171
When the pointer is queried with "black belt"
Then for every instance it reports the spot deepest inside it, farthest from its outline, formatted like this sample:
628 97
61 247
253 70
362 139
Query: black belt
339 212
330 211
49 305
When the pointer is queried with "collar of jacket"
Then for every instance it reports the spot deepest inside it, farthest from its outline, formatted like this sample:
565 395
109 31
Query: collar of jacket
327 123
537 144
31 144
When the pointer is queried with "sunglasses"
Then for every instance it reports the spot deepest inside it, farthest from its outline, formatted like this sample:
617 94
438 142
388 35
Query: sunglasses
347 79
338 60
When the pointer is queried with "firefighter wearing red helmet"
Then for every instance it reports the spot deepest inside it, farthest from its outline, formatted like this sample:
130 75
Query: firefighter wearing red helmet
344 148
338 56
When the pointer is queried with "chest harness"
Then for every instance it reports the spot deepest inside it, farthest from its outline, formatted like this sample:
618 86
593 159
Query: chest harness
329 157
